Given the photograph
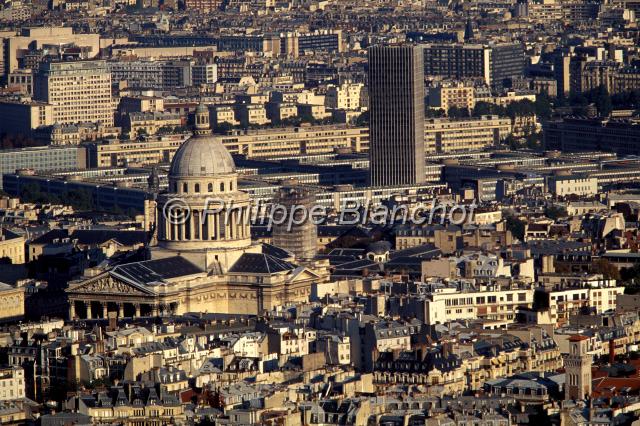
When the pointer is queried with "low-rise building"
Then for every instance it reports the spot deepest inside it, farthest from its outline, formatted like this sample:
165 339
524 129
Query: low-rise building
443 135
12 383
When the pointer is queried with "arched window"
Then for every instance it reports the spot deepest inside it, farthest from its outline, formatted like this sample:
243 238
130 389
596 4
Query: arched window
210 187
185 188
222 186
230 186
197 187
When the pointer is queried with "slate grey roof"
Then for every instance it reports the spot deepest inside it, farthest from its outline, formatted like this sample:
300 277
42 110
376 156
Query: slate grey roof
276 251
261 263
156 270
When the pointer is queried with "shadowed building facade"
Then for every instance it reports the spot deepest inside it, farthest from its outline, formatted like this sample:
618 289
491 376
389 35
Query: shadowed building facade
396 105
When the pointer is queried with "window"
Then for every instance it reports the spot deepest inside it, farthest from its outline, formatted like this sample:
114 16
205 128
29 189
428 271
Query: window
185 187
210 187
197 187
222 186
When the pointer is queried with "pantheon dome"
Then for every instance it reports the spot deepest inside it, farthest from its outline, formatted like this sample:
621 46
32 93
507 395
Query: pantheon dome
203 155
203 213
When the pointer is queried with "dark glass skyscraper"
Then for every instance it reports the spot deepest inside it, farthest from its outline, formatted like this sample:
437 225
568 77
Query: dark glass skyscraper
396 108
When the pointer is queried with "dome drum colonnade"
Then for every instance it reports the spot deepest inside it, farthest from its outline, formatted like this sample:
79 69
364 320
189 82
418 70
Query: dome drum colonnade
203 207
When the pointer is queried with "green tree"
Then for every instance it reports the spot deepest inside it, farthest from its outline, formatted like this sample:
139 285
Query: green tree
223 128
602 99
516 226
433 112
607 269
555 212
487 108
521 108
307 118
80 199
542 106
455 112
363 119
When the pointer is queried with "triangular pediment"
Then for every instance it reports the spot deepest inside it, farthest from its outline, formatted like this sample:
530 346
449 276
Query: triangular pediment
302 274
107 284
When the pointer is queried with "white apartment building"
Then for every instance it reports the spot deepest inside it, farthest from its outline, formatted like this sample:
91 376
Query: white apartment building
252 345
202 73
349 96
223 114
572 185
445 96
445 135
337 349
79 91
564 302
486 302
479 265
11 383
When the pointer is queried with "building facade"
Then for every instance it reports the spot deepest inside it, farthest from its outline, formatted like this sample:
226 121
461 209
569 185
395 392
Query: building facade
396 101
79 91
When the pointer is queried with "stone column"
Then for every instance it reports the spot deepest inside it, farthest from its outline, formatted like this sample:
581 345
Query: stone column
72 309
196 226
120 310
89 313
154 310
105 310
137 306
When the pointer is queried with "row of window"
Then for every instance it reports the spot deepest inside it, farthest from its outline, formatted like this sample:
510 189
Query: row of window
196 187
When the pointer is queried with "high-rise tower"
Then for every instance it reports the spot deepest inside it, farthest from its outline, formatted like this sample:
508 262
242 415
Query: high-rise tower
396 108
577 366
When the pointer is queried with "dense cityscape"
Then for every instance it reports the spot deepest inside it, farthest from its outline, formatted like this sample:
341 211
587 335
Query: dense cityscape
320 212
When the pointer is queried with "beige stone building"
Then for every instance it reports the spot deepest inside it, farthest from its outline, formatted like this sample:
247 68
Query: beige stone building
12 247
223 114
445 135
16 45
11 302
150 122
318 112
115 153
348 96
485 302
567 184
263 143
79 91
24 117
445 96
251 114
11 383
154 411
205 260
